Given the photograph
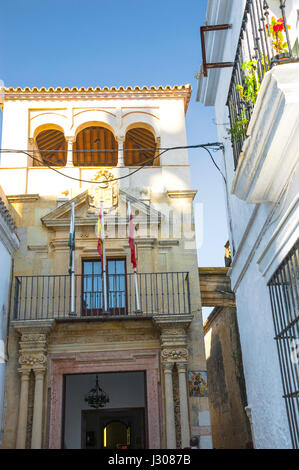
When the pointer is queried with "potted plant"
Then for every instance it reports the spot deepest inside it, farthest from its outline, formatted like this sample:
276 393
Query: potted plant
275 29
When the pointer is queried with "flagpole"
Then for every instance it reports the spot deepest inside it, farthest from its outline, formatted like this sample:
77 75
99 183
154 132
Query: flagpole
138 310
104 257
73 261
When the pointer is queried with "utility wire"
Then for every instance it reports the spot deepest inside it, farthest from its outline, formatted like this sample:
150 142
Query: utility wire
214 146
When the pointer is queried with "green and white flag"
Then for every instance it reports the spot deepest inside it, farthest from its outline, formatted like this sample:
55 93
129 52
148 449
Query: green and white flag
71 242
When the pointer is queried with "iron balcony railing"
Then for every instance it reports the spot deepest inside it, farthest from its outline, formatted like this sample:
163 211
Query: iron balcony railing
49 297
264 42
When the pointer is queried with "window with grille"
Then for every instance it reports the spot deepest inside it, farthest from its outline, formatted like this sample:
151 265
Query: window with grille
285 306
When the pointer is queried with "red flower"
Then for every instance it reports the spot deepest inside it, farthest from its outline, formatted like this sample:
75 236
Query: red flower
279 26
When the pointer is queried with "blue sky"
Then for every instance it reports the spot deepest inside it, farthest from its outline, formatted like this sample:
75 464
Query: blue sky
113 43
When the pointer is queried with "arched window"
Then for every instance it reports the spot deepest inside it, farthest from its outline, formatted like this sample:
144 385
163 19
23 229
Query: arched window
139 138
93 147
49 140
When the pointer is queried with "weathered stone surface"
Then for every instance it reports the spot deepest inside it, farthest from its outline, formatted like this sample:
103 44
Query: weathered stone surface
227 393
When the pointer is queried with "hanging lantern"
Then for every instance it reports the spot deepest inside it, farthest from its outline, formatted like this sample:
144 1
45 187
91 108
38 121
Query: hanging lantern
96 397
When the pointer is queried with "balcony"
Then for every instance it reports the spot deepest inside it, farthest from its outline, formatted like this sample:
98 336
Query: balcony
49 297
264 42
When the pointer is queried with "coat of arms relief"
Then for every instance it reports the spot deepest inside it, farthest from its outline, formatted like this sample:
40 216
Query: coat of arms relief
105 190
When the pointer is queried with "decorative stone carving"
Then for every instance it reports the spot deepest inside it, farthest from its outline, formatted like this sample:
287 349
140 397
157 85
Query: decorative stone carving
39 359
179 354
106 190
176 400
27 337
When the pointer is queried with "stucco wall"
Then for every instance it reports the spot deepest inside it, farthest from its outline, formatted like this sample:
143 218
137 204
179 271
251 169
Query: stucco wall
6 260
227 393
261 236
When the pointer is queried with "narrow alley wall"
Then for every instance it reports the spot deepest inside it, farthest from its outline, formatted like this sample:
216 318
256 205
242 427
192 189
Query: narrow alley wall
227 393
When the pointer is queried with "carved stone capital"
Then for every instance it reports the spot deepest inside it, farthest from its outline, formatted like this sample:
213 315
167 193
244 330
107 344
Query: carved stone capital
24 373
120 138
174 355
32 359
182 367
33 344
70 139
168 366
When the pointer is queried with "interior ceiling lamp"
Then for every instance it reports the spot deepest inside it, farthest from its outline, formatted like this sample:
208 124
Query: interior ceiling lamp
96 397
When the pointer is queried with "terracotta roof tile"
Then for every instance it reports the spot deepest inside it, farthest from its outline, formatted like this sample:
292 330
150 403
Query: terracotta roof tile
143 92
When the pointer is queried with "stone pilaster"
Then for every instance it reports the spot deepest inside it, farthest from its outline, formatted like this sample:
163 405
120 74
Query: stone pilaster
36 439
184 412
23 408
121 161
32 356
169 406
174 350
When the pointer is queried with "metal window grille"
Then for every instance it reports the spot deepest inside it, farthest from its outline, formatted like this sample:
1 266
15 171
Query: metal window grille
285 308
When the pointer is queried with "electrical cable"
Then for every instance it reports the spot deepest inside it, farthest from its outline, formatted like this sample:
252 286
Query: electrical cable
214 146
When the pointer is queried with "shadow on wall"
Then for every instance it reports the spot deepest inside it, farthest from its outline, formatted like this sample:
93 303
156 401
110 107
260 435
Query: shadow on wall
227 393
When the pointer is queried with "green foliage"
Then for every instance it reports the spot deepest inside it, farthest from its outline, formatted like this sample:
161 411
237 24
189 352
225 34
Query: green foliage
239 127
251 82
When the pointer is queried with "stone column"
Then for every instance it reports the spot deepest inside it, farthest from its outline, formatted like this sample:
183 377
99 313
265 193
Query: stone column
169 406
32 356
121 160
69 160
36 439
23 409
184 414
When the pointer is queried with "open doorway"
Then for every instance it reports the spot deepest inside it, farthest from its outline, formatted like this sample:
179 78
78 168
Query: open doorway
113 429
120 423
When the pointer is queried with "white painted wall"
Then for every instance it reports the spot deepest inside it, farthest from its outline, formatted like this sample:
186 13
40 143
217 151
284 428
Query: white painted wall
262 234
5 263
8 244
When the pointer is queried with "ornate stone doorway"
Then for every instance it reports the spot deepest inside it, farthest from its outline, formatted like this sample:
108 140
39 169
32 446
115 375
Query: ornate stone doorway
105 364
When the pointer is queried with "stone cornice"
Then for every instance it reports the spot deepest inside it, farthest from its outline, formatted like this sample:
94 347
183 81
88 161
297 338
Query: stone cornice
23 198
98 93
33 326
173 321
38 248
182 193
168 243
145 242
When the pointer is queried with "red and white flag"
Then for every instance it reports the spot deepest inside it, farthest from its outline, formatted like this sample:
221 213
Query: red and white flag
131 237
101 238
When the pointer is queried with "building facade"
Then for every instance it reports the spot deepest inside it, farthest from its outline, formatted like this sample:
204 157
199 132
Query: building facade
253 84
9 243
81 148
